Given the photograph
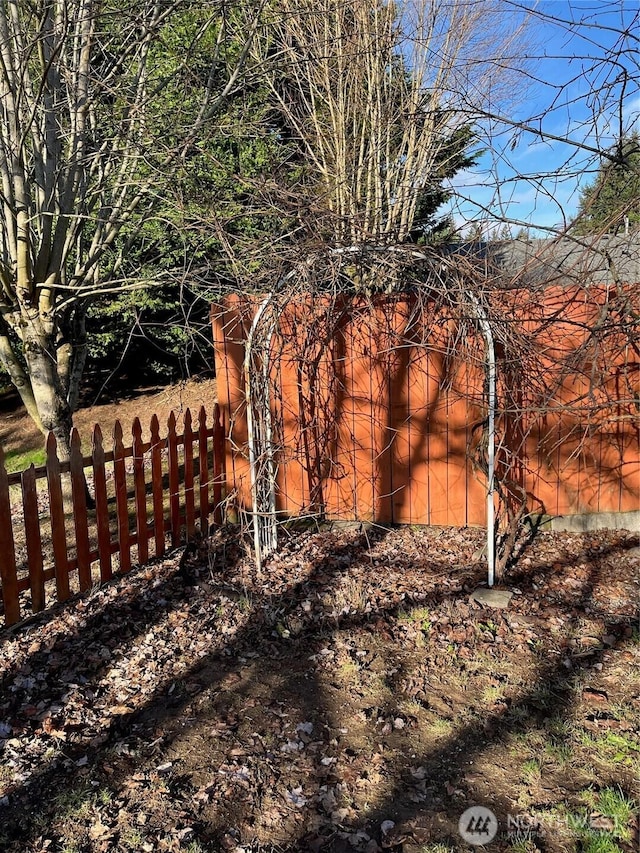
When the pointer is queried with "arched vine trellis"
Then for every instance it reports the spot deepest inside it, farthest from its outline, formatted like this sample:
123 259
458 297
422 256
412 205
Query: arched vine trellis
256 368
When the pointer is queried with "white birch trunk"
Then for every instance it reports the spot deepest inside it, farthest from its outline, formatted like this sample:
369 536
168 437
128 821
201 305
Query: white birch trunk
78 80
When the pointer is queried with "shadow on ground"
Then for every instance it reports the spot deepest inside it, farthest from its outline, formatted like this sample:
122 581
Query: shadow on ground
350 699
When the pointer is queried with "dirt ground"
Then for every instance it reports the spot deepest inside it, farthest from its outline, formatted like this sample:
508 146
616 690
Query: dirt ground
353 698
18 433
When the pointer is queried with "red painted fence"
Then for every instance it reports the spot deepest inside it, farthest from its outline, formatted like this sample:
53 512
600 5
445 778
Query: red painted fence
376 413
146 494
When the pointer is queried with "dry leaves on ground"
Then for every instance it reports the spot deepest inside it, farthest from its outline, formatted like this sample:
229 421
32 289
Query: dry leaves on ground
353 698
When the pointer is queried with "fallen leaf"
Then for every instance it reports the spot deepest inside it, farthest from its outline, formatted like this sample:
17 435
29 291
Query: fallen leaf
100 832
296 797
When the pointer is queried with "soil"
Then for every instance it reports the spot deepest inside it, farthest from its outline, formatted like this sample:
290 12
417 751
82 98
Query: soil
18 433
353 697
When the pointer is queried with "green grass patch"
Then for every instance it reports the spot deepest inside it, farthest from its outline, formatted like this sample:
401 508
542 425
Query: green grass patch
531 771
436 848
19 461
598 827
599 844
417 615
74 803
524 845
615 807
615 748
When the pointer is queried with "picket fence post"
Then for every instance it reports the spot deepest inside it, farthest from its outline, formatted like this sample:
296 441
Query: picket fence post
140 492
174 481
189 497
80 519
122 504
8 573
33 538
56 514
157 487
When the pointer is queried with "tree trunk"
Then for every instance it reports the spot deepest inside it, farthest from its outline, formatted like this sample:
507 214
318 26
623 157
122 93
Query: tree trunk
20 379
72 352
53 407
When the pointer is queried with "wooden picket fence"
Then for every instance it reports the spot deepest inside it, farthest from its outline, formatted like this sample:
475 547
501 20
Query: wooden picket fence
52 544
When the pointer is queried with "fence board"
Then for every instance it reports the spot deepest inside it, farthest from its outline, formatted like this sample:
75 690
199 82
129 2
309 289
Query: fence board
56 512
189 497
140 493
157 487
102 505
174 481
218 464
203 470
80 518
33 539
122 504
8 573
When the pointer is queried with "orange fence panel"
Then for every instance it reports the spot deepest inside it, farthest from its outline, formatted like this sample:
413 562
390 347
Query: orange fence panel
377 416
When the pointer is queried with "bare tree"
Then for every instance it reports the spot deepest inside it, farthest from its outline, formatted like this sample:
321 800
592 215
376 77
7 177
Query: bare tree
83 150
365 89
368 94
373 95
583 71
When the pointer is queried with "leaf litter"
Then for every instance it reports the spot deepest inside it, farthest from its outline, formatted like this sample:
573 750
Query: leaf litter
352 698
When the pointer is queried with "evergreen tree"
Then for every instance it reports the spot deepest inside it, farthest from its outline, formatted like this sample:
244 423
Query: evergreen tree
181 244
430 225
614 196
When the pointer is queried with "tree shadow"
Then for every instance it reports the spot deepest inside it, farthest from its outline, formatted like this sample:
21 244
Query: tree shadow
551 696
249 657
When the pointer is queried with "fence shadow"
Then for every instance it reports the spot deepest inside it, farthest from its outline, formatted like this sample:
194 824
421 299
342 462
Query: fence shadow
250 658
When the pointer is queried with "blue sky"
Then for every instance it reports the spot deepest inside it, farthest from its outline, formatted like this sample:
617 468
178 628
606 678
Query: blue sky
567 90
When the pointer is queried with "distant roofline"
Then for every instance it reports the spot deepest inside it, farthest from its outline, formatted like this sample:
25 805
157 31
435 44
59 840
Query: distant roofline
591 260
